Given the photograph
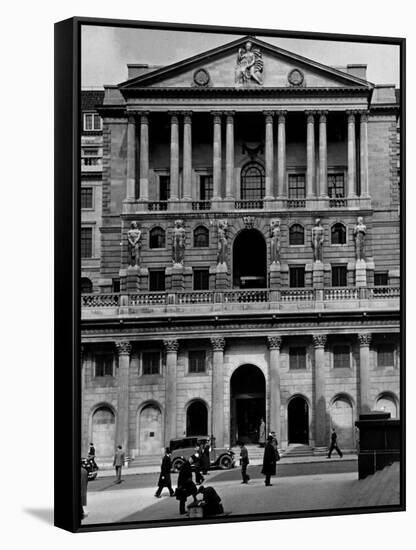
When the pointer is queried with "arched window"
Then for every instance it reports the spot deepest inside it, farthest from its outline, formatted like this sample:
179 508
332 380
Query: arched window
157 238
296 234
201 237
338 234
252 181
86 285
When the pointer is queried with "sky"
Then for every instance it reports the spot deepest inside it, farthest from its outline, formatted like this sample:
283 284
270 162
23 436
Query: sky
106 51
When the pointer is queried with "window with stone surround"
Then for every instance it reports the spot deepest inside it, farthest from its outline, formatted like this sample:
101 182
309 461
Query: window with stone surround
157 238
164 187
381 278
86 197
296 235
336 186
156 279
338 234
252 181
201 278
150 362
197 361
92 122
86 285
297 276
297 358
104 364
206 187
201 237
339 275
341 353
296 186
86 242
385 355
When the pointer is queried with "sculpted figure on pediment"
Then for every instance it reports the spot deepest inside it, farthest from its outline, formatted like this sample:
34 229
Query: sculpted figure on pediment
249 65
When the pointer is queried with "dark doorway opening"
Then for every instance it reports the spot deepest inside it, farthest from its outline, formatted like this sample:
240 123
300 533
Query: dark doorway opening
197 419
248 403
249 260
298 421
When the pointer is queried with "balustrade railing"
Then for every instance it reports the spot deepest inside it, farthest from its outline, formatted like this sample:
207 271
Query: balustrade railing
337 203
297 295
195 297
100 300
157 206
341 293
296 203
384 292
147 299
248 204
201 205
246 295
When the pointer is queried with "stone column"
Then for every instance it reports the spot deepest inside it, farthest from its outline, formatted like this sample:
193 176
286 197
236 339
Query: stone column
218 345
310 153
187 156
319 341
351 156
274 381
122 427
364 154
323 179
174 157
281 154
364 339
131 159
269 154
171 347
144 157
216 157
229 160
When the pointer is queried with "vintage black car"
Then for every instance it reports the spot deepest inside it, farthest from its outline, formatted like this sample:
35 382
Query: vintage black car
184 447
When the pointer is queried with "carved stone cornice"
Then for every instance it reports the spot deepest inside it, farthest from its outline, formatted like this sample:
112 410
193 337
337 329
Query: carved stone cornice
319 340
274 342
171 345
218 343
123 347
364 338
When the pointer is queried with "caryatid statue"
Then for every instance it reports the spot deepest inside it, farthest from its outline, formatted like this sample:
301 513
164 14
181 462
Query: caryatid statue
274 241
317 240
222 241
133 241
359 236
249 65
178 248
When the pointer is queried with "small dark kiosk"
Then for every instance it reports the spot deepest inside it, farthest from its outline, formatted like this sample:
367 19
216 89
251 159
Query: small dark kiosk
379 442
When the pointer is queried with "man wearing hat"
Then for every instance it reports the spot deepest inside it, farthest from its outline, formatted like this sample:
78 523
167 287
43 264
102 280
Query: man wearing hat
186 487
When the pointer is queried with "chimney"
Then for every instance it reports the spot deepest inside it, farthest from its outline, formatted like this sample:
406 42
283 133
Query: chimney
360 71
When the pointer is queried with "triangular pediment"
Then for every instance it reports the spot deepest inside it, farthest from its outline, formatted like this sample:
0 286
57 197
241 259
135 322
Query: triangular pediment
239 65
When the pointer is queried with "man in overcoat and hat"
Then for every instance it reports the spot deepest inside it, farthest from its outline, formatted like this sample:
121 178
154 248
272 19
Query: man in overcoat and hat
269 461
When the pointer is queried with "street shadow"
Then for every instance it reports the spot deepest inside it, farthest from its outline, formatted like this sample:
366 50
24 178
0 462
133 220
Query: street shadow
43 514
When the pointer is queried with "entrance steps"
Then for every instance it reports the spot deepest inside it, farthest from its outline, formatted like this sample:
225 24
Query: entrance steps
298 450
254 452
147 460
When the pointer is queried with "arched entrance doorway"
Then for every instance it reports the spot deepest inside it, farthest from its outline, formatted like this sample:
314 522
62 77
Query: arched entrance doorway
248 403
342 419
103 432
150 430
249 260
197 418
298 420
386 403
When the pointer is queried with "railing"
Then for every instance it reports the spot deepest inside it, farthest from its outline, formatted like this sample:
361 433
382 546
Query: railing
91 161
341 293
246 296
248 204
384 292
201 205
156 206
195 297
296 203
100 300
300 295
147 299
337 203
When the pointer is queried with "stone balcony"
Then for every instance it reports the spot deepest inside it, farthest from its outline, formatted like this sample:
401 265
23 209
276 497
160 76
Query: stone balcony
96 306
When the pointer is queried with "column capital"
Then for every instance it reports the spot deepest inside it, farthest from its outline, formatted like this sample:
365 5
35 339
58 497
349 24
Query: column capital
229 114
187 117
364 339
131 118
171 345
319 340
363 115
217 116
268 115
144 117
218 343
174 117
281 115
322 115
351 115
123 347
274 342
310 116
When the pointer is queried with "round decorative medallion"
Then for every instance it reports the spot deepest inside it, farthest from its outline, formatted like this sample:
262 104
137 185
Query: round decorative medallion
201 77
296 77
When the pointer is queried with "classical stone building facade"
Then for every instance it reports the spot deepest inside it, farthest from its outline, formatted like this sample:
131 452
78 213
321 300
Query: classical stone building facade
250 228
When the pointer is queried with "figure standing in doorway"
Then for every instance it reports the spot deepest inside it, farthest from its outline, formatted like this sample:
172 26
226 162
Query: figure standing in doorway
262 433
334 444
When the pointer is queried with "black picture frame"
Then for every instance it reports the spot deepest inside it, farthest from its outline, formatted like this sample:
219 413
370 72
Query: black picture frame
67 268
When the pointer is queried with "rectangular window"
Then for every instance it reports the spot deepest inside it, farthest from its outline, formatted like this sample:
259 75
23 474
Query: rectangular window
297 276
339 275
201 279
336 189
385 355
151 362
341 357
197 361
86 242
116 285
296 186
92 122
86 197
157 279
164 188
381 278
297 358
206 187
104 364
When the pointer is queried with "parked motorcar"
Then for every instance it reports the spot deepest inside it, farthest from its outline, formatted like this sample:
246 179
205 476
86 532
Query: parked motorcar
184 447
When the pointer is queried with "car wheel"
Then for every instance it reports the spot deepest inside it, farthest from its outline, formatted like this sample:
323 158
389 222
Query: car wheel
225 462
176 465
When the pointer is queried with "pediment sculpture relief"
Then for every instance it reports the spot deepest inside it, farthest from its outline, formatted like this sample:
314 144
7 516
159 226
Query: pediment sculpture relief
249 65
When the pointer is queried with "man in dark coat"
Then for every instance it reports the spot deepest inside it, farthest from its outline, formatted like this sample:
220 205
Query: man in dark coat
334 444
269 461
198 465
244 461
164 478
186 487
118 462
211 501
84 485
205 459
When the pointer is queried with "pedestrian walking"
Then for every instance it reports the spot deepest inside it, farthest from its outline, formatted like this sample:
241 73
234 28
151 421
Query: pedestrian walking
334 444
269 461
84 486
164 478
262 433
198 464
211 501
118 462
186 487
91 454
205 459
244 461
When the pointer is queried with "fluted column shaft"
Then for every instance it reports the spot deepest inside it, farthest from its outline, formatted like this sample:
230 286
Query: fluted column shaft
187 156
229 160
269 154
216 159
351 156
171 347
174 157
364 340
274 369
144 157
364 155
319 342
218 345
323 167
131 159
310 154
281 154
122 427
